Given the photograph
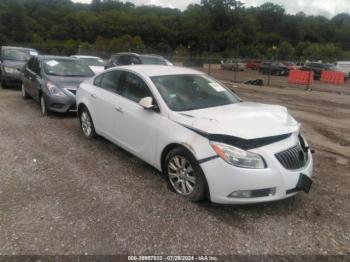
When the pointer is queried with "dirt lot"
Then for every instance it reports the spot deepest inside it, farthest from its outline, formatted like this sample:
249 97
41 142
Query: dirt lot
63 194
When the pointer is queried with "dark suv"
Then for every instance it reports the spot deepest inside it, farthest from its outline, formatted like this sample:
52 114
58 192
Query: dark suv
317 68
12 60
121 59
274 68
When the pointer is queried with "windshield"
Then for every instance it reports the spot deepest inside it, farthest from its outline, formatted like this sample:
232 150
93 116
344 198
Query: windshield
18 54
57 67
190 92
92 61
151 60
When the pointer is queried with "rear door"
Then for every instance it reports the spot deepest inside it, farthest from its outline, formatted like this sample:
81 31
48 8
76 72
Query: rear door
27 75
33 78
105 104
36 79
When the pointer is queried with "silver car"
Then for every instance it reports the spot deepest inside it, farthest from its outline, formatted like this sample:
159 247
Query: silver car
232 65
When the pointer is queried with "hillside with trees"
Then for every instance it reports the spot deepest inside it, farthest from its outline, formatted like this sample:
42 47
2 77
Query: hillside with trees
217 27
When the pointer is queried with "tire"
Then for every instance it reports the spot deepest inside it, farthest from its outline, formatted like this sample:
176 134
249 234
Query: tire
43 106
24 92
86 124
184 175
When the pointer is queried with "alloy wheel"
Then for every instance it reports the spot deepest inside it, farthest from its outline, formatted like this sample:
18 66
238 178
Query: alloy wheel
181 175
86 124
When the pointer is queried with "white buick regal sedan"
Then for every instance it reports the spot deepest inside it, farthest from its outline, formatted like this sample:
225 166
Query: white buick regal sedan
204 139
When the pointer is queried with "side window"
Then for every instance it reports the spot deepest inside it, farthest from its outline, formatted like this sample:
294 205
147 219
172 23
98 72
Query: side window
30 63
98 80
134 88
113 61
110 81
124 60
37 67
135 60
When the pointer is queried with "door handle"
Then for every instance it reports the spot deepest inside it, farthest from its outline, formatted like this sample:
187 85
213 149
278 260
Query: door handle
119 109
93 95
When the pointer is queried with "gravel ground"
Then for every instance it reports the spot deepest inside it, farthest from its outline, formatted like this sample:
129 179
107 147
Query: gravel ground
63 194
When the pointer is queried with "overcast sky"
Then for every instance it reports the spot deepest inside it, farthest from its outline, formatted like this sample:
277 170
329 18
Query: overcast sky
327 8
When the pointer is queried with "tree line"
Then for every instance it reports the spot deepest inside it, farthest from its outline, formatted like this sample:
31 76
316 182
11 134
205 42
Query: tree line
216 28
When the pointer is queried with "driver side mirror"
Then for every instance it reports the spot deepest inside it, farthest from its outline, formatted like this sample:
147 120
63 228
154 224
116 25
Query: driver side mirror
147 104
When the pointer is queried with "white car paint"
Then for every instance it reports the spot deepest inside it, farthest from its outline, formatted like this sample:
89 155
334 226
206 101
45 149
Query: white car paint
147 133
95 69
343 66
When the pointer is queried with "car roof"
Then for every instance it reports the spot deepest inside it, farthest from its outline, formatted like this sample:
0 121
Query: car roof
140 55
159 70
85 56
125 53
46 57
18 48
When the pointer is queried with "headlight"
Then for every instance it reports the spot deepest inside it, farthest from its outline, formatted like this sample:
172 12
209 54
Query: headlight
54 90
10 70
238 157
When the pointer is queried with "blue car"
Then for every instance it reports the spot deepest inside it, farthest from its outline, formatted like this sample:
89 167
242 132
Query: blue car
53 82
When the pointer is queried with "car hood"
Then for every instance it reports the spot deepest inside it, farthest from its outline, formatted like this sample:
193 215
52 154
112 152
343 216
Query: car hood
67 82
14 64
245 120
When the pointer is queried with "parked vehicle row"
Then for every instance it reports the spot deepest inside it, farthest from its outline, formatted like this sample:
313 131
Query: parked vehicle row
283 68
206 141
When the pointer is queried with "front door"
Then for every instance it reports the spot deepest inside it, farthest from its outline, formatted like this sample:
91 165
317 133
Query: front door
138 128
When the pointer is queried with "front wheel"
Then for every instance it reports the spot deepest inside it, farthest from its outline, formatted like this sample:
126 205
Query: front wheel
184 175
43 105
86 124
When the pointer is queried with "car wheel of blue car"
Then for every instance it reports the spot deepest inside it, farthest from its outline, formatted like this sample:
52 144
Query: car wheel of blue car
44 110
24 92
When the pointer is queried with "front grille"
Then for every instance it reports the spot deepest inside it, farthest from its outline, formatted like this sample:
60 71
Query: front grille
293 158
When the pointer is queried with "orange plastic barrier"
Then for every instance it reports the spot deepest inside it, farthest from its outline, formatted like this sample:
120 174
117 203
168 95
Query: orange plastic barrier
333 77
301 77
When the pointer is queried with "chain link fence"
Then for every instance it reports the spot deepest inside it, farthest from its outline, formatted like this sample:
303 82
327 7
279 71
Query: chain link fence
259 72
